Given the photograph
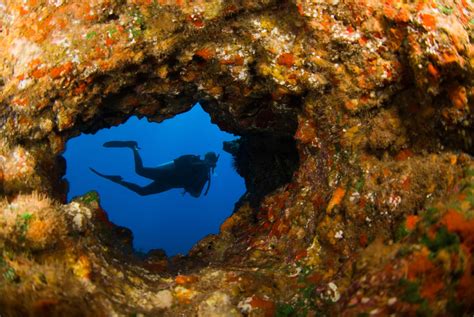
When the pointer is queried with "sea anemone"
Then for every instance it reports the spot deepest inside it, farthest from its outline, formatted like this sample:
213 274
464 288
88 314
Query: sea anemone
31 221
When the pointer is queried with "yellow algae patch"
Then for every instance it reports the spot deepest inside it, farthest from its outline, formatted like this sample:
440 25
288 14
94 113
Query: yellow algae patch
229 223
82 268
184 295
218 304
453 159
353 136
331 230
235 218
314 253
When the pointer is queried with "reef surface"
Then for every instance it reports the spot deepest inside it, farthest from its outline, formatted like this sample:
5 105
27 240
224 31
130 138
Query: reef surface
356 125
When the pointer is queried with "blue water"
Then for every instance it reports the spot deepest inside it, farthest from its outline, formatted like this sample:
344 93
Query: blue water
167 220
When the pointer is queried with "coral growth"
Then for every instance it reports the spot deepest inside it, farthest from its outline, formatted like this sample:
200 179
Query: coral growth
356 125
31 222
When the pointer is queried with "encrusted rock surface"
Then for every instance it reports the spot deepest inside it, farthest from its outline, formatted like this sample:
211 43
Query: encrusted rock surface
376 218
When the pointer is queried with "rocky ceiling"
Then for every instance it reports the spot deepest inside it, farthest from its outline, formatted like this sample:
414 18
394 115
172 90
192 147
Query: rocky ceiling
356 120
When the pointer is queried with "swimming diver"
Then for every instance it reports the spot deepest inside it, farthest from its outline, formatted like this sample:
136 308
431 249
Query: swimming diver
187 171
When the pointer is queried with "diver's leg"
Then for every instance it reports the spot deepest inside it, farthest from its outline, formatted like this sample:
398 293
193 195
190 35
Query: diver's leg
133 145
130 144
148 172
113 178
152 173
153 188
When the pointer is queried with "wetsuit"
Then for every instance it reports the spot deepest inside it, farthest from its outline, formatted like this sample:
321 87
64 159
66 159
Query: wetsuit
188 172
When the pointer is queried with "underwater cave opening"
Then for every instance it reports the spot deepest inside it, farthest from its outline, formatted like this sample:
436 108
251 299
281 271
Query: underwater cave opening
169 220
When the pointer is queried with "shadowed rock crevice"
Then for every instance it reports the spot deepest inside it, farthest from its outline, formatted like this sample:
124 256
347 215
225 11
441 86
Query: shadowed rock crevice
265 162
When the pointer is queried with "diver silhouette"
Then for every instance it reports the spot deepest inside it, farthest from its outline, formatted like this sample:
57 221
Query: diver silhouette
187 171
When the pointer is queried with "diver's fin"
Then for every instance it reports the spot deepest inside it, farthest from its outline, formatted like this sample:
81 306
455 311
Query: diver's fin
113 178
130 144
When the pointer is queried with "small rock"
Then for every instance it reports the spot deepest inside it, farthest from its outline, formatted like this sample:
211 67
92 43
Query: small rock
163 299
217 305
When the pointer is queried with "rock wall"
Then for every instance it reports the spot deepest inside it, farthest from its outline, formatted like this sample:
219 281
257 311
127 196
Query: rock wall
375 218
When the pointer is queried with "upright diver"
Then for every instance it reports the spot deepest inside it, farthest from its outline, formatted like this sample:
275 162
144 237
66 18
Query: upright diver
187 171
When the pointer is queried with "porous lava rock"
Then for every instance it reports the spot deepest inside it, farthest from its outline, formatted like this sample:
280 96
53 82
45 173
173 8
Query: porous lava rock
366 207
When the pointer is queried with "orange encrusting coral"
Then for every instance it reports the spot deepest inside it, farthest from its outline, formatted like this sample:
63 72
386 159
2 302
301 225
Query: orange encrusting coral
196 20
432 287
236 60
205 53
411 221
465 286
301 254
456 222
336 199
286 59
228 224
403 15
433 71
458 96
185 279
428 21
81 88
419 265
306 132
267 306
404 155
61 70
363 239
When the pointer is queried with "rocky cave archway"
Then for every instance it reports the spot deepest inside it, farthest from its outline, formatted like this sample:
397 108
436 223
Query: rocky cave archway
371 214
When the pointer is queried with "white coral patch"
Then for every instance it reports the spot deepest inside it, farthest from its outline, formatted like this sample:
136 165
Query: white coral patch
333 292
163 299
394 201
24 51
79 214
244 305
56 3
25 83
